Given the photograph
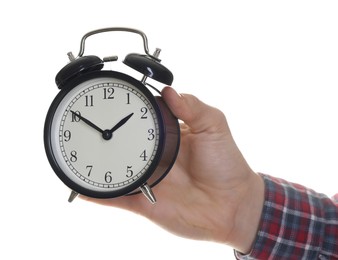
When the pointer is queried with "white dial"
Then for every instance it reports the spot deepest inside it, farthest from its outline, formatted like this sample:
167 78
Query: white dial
105 134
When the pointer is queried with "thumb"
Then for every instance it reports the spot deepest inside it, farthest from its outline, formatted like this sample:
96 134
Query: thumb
193 112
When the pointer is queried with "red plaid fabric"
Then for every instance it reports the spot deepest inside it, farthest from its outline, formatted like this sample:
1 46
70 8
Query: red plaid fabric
297 223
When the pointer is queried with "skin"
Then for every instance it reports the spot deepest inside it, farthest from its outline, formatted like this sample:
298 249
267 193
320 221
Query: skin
211 193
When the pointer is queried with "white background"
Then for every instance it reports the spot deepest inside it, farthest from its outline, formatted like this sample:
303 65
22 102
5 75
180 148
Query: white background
271 66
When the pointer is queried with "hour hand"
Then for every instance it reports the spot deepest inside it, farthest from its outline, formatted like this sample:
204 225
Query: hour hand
87 121
121 123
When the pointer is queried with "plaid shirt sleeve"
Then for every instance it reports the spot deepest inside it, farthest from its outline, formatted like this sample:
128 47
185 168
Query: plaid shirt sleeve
296 223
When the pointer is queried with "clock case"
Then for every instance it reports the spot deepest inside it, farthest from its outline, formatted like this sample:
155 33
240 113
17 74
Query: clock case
88 67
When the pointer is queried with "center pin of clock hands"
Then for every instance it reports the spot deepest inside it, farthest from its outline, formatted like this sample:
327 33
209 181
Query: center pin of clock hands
106 134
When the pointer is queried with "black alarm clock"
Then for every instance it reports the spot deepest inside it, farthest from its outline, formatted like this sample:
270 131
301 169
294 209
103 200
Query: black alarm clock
106 134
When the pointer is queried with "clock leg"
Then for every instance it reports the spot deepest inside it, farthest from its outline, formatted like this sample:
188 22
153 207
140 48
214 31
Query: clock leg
146 190
72 196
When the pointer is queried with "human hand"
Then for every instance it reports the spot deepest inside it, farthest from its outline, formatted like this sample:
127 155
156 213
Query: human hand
210 193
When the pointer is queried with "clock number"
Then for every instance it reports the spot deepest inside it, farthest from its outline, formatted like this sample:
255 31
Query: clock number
90 167
73 156
89 101
67 135
108 93
151 135
76 118
130 172
144 155
107 177
144 110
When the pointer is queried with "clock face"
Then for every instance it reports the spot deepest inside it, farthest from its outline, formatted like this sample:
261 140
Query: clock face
105 136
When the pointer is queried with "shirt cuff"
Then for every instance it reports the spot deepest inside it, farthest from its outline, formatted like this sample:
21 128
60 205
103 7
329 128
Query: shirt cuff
296 223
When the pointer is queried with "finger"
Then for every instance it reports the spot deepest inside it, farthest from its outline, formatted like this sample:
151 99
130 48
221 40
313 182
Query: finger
135 203
196 114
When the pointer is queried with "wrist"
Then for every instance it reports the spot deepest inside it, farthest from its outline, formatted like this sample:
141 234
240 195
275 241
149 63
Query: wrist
248 215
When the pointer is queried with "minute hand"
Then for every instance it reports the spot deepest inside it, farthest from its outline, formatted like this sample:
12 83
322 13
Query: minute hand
87 122
121 123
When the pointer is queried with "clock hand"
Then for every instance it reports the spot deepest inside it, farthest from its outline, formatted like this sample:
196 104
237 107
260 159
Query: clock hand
87 122
108 134
121 123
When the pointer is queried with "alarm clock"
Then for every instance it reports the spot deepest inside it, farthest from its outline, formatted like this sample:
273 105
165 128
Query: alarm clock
106 133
